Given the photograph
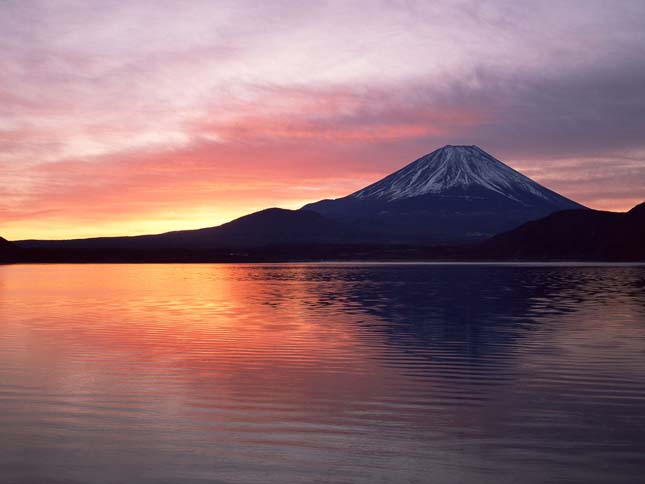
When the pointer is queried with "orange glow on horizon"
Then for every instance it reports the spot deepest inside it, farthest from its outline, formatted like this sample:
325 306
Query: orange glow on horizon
139 201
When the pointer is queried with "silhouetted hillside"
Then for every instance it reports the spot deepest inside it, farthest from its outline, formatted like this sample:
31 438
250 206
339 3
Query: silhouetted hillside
5 244
273 226
7 250
575 235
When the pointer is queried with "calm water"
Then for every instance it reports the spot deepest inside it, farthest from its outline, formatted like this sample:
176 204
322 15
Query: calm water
321 373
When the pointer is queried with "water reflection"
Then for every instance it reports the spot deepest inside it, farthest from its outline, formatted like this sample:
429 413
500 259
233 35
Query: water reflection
329 373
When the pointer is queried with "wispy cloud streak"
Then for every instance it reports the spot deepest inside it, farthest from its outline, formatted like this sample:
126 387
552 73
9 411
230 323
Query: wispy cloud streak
154 115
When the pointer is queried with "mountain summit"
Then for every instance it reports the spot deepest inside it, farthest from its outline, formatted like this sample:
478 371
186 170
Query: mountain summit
460 167
453 193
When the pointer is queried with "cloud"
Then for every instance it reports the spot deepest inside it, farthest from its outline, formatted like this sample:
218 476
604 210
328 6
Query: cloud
172 113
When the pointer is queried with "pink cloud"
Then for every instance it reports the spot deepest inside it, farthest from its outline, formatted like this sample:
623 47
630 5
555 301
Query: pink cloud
165 117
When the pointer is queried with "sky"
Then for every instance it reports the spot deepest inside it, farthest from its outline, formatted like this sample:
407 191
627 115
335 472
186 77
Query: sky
132 117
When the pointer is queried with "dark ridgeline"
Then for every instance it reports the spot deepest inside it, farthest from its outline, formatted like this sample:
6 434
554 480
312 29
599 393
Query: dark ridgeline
440 207
273 234
574 235
273 226
8 250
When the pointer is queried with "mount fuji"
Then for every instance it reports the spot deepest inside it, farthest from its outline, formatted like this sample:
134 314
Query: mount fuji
456 193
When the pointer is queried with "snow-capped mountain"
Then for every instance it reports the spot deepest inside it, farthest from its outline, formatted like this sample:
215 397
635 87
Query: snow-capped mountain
453 193
457 167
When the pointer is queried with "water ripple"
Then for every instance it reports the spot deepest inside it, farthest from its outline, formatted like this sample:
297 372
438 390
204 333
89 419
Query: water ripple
322 373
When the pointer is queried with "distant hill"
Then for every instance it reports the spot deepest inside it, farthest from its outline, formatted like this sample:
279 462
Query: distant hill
5 244
277 235
273 226
7 249
574 235
454 194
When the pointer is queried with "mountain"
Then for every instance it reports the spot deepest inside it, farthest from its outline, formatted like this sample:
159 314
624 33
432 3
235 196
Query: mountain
574 235
453 195
273 226
287 235
456 193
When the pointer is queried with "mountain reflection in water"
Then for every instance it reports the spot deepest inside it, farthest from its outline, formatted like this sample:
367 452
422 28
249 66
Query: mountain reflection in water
322 373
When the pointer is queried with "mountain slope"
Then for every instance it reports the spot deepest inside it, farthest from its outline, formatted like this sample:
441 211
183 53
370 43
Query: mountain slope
5 245
267 227
7 250
575 235
455 193
459 167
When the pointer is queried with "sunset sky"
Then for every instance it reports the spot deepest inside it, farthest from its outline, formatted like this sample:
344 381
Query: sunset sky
131 117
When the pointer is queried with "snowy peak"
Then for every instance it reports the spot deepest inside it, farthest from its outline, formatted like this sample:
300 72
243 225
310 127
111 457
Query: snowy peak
457 167
456 193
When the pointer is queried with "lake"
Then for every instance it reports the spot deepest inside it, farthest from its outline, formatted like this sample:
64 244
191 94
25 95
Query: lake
322 373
